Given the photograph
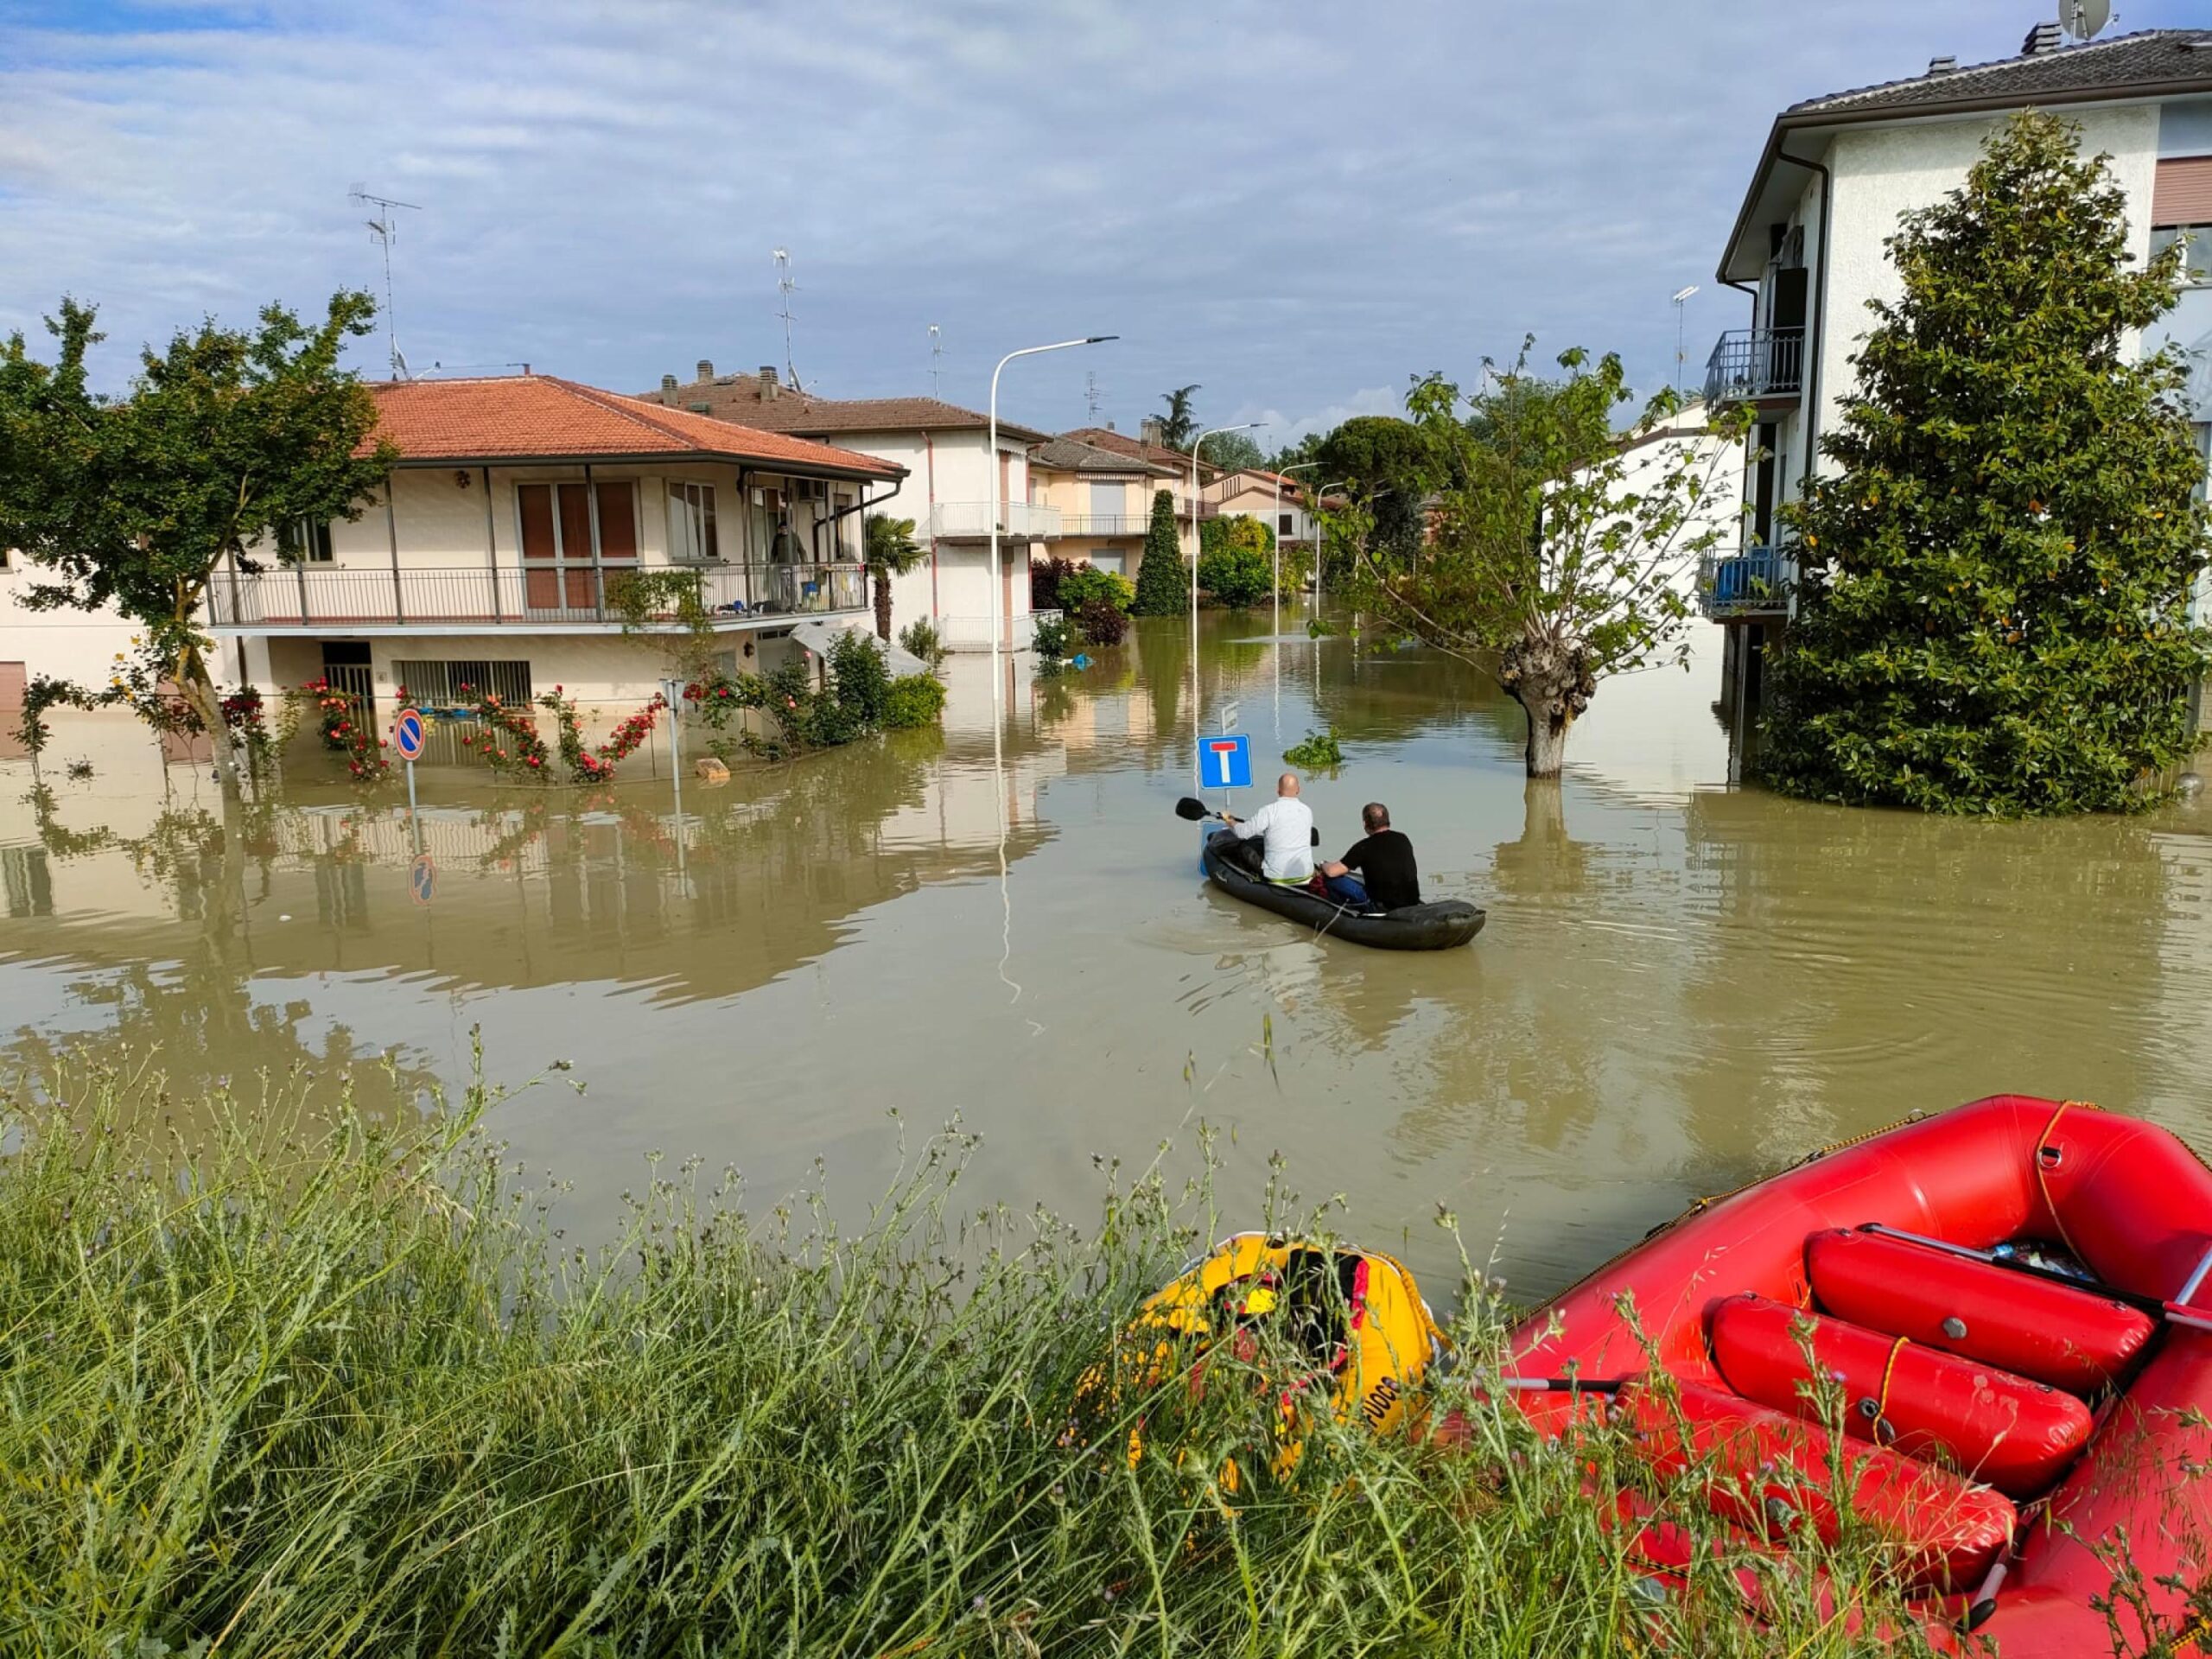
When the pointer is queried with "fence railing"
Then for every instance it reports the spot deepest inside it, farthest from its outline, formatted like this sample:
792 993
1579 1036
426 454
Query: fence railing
1754 583
1104 523
516 596
974 633
1754 362
971 520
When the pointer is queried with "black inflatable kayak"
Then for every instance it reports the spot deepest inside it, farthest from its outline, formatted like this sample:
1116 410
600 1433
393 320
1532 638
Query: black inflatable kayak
1417 927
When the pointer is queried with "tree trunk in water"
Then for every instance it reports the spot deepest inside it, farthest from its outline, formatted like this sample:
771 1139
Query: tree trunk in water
1553 681
882 603
199 694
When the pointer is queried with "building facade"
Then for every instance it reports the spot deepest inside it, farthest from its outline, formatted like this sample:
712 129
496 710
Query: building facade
1102 500
1838 174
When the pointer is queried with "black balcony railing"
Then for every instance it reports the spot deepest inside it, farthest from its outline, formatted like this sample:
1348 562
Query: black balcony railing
327 596
1749 364
1754 583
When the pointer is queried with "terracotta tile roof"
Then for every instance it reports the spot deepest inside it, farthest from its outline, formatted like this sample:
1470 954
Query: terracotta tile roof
543 417
737 398
2122 66
1120 443
1073 455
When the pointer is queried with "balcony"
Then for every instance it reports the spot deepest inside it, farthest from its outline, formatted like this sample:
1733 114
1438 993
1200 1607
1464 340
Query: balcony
336 598
1104 523
1761 367
970 521
1751 583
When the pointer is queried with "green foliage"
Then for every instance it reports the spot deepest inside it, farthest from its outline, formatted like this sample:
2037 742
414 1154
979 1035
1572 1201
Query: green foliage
1388 467
226 439
921 641
646 602
1051 637
913 700
1162 578
319 1381
1320 752
1556 557
892 552
45 692
1296 454
1236 561
1082 583
1993 615
1180 424
1233 452
1102 622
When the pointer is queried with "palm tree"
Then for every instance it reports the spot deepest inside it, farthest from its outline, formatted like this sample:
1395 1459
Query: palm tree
892 552
1180 423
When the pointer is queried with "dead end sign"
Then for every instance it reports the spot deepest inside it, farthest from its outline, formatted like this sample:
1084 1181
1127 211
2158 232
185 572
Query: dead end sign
1225 762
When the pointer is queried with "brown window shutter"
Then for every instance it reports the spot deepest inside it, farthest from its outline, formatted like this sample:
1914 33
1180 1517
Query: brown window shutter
537 501
576 524
618 522
2182 193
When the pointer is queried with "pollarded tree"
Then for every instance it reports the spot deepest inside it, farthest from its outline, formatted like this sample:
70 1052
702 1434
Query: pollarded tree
225 441
1557 554
1163 583
1995 587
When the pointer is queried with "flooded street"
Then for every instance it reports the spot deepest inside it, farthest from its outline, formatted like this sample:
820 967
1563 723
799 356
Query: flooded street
1680 985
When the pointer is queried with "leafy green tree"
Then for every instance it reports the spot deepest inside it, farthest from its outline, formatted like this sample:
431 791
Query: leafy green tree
1162 584
1236 561
1994 611
1180 424
226 441
1558 555
892 552
1233 452
1292 454
1389 466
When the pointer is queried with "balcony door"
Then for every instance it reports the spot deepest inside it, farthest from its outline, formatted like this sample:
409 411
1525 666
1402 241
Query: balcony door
559 535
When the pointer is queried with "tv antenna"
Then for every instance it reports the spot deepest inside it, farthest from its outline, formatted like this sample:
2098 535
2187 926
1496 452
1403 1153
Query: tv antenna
2083 18
384 227
937 354
1681 298
786 287
1090 394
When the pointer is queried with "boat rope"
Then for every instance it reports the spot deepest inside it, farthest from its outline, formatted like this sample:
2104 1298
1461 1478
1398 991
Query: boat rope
2042 1183
1888 1371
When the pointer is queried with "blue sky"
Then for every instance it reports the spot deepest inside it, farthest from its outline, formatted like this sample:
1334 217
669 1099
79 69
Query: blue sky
1297 207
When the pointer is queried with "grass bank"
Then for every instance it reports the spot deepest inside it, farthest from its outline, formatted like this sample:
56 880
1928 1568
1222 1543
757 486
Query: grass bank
302 1383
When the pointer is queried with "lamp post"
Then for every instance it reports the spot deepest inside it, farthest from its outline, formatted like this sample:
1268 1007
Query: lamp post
991 465
1677 303
1196 443
1284 473
1320 496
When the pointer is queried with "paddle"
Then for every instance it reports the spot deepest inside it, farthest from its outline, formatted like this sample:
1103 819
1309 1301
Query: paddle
1193 811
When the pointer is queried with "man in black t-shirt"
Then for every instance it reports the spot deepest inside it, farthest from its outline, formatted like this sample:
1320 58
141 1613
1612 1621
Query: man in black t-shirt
1387 878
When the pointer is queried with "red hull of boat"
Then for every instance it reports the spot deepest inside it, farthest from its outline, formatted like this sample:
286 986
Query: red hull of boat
2126 1198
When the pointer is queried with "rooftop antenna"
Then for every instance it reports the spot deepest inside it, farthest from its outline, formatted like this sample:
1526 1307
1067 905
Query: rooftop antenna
1680 299
385 227
1090 394
786 287
937 353
2084 18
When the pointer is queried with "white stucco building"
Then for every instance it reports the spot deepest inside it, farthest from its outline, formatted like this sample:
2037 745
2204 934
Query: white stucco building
1837 174
946 454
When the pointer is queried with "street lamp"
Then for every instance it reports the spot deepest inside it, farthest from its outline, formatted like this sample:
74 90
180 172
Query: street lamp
1241 426
1320 496
1677 303
1284 473
991 465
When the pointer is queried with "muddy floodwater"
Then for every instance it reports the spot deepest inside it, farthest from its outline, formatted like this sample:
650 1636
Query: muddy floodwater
1680 985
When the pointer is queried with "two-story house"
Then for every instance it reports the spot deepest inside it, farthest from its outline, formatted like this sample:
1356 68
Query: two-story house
1836 175
496 554
945 451
1103 497
1171 471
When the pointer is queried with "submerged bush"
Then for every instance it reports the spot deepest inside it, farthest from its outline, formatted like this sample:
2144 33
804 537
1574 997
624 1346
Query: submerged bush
315 1385
913 700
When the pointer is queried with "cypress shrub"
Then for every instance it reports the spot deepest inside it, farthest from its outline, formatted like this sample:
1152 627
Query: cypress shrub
1163 586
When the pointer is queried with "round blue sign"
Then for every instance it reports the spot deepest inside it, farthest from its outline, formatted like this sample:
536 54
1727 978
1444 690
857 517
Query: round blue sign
422 879
407 734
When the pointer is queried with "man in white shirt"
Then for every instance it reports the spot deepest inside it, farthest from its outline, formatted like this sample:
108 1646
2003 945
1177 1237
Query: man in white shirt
1286 854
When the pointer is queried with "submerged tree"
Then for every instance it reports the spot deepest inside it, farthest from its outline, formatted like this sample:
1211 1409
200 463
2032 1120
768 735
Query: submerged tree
1994 610
1163 587
1556 554
226 443
892 552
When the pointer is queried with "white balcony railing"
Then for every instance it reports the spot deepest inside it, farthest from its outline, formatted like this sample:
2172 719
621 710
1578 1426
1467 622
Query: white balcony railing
1104 523
974 633
970 521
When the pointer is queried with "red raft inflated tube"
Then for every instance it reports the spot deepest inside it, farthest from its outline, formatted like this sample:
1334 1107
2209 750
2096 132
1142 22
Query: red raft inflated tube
2003 1303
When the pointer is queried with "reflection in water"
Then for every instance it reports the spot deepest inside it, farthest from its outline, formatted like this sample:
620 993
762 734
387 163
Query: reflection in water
1680 985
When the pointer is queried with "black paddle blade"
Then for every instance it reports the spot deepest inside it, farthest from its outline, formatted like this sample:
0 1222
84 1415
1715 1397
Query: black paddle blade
1195 811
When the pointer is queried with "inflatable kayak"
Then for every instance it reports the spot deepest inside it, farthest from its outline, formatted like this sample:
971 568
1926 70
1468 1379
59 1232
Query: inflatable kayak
1416 927
1996 1302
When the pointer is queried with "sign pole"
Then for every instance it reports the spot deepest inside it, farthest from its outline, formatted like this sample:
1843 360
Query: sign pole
414 815
671 693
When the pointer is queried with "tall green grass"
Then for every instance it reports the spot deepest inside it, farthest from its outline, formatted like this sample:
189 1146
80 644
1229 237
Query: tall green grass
298 1383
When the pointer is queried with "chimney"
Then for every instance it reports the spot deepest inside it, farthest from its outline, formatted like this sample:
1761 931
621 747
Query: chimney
705 370
1109 426
767 382
1148 429
1942 65
2044 37
668 383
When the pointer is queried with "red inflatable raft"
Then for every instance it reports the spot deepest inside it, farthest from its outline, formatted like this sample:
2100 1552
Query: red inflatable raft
1997 1300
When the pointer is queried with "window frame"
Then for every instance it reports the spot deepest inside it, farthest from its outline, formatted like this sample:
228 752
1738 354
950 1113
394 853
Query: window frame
693 504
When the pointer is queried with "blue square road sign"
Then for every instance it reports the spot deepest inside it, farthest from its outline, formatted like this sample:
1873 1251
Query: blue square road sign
1225 762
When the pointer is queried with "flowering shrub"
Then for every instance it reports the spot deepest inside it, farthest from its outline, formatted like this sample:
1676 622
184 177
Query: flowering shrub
339 721
509 741
861 697
506 737
597 766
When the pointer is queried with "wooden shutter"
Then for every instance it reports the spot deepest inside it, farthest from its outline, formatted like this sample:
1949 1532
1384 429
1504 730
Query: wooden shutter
541 586
577 589
618 521
2182 193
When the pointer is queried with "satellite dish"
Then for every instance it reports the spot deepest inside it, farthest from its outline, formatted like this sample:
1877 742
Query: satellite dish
2084 18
